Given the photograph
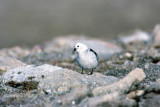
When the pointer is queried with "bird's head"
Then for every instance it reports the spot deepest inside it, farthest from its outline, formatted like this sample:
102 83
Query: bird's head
80 47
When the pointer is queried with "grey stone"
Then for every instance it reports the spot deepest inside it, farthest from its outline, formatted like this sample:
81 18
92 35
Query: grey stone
135 94
7 63
30 72
155 87
15 52
150 100
123 85
53 79
110 100
137 36
72 98
156 35
104 49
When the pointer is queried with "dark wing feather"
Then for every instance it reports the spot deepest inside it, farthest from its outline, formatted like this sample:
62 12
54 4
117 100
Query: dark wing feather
94 53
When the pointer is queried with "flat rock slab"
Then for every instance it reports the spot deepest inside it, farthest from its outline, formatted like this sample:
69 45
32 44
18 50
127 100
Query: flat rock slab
53 79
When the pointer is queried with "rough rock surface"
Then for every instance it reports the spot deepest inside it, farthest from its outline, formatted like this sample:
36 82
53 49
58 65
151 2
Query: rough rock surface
122 86
56 80
7 63
137 36
156 35
53 79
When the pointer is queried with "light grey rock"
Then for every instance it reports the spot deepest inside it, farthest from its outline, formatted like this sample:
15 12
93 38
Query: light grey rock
137 36
109 100
56 80
135 94
123 85
72 98
15 52
156 35
56 43
30 72
7 63
66 44
104 49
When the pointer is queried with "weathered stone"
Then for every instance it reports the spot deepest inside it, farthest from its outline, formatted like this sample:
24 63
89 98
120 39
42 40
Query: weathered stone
104 49
7 63
15 52
150 100
135 94
137 36
156 35
155 87
59 42
30 73
72 98
52 78
123 85
111 100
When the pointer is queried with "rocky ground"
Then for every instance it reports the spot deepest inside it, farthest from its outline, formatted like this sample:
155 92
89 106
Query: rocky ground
47 75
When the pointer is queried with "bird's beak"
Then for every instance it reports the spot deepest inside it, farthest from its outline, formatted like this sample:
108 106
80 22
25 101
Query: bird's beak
74 51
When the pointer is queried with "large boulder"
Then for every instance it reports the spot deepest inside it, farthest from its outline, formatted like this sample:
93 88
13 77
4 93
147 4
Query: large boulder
53 79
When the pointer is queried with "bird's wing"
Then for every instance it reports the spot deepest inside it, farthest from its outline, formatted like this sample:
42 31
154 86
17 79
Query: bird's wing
94 53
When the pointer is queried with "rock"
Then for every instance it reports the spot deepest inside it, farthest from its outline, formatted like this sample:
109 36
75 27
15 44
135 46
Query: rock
7 63
155 87
65 45
56 43
53 79
2 71
137 36
150 100
110 100
123 85
103 49
15 52
24 100
30 73
135 94
156 35
72 98
48 58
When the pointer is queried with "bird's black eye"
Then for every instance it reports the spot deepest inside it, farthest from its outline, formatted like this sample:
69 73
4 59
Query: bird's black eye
78 46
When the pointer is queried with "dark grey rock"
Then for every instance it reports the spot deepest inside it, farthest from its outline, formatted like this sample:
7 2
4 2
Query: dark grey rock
150 100
62 55
155 87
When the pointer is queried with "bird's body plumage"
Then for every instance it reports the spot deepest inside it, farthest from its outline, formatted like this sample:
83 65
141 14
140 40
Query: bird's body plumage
87 59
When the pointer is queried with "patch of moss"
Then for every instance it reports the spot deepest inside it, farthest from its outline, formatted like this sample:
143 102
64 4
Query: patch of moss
31 78
19 72
42 76
26 85
2 71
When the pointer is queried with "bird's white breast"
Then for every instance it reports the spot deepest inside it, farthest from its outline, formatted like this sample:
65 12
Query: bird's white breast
87 60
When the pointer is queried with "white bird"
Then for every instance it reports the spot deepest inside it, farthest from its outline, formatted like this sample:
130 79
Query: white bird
87 58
